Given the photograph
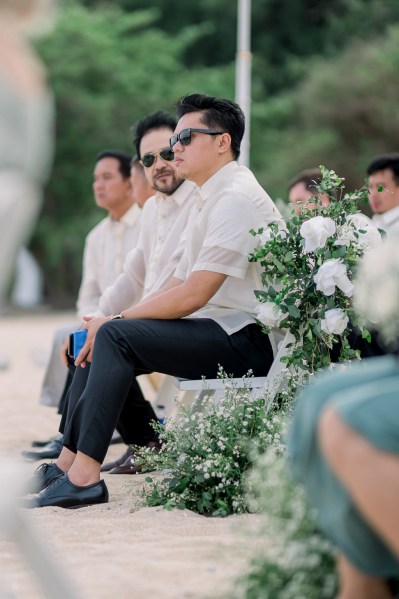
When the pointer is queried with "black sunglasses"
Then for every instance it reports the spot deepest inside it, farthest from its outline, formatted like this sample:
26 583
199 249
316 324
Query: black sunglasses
148 159
185 136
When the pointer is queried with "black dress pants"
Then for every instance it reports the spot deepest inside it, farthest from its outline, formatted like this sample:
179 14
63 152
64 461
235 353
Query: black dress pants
124 349
137 413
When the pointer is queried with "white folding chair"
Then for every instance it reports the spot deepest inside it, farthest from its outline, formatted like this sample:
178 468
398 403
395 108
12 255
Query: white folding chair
187 390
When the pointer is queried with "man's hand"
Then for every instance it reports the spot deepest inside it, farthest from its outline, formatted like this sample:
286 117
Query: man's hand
92 325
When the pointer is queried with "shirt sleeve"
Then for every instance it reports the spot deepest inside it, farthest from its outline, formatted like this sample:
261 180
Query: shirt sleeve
228 241
89 292
128 288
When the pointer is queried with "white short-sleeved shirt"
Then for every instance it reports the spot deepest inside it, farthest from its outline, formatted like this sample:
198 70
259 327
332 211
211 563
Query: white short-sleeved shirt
388 221
228 206
106 248
159 249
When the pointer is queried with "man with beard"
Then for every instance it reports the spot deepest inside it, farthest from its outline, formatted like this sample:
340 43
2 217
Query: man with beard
152 262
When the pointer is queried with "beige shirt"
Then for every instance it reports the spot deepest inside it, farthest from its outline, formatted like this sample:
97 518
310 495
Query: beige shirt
228 206
388 221
159 249
106 248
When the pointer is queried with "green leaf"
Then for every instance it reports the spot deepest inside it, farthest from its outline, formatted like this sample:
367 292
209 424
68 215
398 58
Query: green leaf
293 311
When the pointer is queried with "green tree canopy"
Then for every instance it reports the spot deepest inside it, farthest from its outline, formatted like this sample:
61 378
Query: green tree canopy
107 69
342 115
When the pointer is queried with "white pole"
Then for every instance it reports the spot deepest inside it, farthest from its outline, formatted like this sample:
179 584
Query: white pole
243 71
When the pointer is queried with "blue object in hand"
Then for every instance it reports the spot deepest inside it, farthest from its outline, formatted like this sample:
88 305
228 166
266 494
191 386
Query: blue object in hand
76 342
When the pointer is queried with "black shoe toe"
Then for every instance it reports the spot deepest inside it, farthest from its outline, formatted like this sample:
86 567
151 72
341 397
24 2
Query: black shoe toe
60 492
51 451
129 453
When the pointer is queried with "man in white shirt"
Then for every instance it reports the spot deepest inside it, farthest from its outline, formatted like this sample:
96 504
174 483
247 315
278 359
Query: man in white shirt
106 248
204 316
383 172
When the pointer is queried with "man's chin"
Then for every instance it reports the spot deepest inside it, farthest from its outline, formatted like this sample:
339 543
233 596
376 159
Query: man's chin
169 187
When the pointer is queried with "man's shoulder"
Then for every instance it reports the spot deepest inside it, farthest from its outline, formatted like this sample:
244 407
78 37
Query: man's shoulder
98 230
243 187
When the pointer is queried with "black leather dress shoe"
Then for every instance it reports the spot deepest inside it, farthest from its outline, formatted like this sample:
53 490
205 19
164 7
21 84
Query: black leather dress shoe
129 453
51 451
130 466
43 443
42 476
60 492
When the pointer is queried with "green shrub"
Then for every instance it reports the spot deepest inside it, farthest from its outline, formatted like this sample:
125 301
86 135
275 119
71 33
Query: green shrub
207 450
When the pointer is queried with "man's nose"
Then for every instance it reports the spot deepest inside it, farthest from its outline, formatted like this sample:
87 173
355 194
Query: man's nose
177 146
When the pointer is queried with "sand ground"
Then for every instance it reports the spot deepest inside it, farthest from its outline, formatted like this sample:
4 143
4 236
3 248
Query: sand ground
114 550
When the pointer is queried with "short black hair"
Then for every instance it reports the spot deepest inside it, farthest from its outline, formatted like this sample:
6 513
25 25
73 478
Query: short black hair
122 157
155 120
218 113
309 177
380 163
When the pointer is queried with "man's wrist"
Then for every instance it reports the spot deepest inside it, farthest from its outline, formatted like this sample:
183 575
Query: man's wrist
117 316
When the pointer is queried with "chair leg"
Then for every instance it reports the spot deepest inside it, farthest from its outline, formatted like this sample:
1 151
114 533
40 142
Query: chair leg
166 394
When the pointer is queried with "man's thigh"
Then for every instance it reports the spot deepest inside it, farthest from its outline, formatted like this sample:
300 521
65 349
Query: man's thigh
188 348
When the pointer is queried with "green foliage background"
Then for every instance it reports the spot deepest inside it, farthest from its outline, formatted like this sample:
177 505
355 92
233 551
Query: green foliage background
324 90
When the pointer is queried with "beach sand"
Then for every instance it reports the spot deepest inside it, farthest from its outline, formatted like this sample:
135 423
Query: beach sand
116 549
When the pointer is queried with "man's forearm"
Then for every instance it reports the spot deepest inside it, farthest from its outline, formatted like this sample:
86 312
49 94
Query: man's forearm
178 299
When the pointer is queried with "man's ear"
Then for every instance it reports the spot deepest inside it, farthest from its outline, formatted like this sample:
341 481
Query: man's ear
224 143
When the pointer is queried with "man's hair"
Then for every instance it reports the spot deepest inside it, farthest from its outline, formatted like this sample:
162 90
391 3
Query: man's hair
309 177
217 113
155 120
123 158
380 163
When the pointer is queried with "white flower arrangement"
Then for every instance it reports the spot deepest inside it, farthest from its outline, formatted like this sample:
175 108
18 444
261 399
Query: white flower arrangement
207 449
376 296
308 273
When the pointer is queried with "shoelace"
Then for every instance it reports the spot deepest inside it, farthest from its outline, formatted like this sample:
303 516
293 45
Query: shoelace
55 481
41 470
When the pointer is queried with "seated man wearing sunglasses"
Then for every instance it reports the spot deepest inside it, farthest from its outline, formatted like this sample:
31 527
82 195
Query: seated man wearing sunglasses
204 316
149 265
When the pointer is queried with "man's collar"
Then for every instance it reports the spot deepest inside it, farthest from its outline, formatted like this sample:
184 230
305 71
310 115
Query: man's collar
386 218
219 180
180 195
130 217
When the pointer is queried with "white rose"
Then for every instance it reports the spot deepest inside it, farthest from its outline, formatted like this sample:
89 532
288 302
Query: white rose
334 321
333 274
369 238
360 231
345 235
316 231
270 314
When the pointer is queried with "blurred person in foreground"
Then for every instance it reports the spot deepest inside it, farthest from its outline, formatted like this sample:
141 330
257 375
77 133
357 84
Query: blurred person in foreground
26 128
383 172
344 444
